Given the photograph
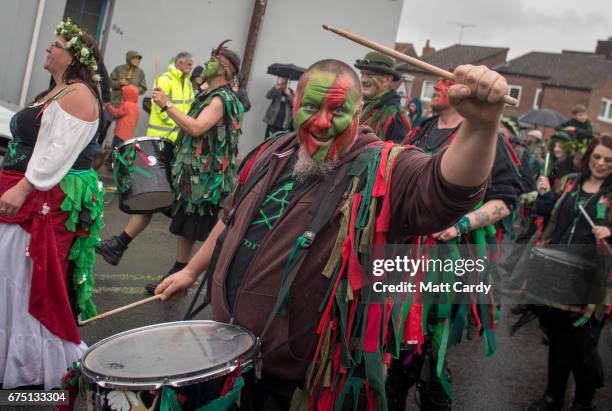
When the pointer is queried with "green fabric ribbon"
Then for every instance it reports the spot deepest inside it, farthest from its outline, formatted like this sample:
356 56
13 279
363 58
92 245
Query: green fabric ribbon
224 403
84 193
168 400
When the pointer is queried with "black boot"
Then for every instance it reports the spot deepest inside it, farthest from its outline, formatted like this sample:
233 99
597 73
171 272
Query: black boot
111 250
581 407
150 288
545 403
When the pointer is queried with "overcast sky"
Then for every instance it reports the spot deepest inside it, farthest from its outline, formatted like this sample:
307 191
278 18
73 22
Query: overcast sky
521 25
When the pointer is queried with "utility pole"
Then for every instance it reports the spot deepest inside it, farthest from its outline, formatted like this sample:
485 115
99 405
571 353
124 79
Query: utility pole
259 9
462 26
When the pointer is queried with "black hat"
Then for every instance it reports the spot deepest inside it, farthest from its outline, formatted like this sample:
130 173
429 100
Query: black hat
228 54
378 63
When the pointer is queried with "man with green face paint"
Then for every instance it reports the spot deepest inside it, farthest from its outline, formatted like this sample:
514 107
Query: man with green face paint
383 105
285 258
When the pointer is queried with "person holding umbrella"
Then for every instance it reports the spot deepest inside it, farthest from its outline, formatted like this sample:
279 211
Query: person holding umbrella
278 116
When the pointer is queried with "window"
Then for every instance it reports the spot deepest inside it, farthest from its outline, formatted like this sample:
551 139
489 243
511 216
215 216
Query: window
515 91
605 111
427 90
408 81
88 14
537 100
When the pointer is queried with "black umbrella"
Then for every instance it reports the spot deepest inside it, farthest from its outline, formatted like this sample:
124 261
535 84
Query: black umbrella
543 117
291 71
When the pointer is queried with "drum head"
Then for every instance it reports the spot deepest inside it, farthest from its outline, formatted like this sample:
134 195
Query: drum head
174 354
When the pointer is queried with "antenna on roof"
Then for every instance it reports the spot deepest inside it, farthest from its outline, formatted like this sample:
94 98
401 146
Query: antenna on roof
462 26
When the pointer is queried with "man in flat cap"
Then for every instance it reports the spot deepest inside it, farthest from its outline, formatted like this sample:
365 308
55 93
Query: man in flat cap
382 108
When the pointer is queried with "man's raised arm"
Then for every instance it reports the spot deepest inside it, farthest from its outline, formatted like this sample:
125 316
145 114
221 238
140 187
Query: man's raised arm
477 97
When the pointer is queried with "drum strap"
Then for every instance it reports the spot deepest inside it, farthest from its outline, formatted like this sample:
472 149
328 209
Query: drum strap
321 211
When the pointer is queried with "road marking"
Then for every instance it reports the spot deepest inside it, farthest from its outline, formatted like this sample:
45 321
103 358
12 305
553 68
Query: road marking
126 277
119 290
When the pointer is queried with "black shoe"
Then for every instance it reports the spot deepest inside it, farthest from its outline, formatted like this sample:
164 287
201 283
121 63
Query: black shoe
545 403
153 284
581 407
111 250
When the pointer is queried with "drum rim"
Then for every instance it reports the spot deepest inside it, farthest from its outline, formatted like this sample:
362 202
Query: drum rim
144 138
576 264
104 381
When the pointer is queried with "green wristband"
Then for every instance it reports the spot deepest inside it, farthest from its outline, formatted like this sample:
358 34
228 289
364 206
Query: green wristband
464 225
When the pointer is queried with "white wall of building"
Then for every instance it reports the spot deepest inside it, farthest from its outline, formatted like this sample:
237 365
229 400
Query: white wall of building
17 22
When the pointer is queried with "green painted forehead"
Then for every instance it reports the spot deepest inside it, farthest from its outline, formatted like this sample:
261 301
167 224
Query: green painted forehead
324 85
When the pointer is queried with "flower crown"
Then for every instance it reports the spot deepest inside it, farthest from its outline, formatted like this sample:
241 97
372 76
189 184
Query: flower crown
73 34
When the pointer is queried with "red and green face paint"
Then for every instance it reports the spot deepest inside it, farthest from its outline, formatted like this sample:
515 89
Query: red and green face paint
325 114
372 84
440 97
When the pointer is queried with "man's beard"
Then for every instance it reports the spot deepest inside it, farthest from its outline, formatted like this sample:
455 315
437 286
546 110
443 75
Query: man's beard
306 168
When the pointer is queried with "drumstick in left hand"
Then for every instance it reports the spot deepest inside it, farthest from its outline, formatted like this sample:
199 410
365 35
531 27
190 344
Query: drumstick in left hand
121 309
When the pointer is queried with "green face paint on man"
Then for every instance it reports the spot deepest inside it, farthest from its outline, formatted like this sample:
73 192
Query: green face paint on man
325 114
212 68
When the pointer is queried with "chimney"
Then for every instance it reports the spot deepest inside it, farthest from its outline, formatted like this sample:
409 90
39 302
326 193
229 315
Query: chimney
604 48
427 50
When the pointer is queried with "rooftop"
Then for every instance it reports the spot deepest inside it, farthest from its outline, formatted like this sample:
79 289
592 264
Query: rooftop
457 54
569 69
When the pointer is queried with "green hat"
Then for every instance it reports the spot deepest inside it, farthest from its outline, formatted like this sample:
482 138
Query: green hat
378 63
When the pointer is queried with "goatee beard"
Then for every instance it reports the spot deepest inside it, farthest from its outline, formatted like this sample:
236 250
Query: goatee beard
306 168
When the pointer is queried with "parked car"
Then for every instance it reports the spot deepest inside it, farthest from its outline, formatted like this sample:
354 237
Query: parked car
6 113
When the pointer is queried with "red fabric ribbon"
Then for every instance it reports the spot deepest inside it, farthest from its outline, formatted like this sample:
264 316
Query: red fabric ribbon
49 249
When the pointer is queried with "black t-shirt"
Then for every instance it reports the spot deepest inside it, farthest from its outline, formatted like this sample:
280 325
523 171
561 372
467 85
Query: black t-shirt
270 211
568 213
431 138
505 183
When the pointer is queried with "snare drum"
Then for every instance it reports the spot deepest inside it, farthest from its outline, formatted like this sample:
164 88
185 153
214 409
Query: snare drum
555 276
142 175
185 361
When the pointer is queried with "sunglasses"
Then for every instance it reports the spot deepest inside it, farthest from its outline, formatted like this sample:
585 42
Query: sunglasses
58 45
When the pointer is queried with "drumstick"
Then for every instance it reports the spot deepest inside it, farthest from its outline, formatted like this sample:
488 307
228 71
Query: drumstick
156 72
588 218
403 57
121 309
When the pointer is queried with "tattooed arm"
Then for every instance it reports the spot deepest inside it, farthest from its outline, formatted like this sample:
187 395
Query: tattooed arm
491 212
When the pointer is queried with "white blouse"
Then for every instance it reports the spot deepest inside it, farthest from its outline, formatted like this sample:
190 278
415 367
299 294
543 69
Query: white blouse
61 139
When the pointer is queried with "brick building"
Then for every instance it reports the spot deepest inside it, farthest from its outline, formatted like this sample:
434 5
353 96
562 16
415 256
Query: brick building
419 83
559 81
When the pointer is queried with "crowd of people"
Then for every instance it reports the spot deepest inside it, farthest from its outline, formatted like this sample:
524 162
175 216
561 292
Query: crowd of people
343 166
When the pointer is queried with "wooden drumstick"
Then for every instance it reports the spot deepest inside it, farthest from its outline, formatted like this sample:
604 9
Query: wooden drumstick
403 57
121 309
592 223
156 75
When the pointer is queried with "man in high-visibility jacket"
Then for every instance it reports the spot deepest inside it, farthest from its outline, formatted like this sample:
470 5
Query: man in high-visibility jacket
177 86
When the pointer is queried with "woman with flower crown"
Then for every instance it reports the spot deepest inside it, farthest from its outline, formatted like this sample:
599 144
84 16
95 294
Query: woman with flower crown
50 217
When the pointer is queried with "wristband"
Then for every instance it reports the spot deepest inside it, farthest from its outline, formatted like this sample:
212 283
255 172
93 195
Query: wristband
464 225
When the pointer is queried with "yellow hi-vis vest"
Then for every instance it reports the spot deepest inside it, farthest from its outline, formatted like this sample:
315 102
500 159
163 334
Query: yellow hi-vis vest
180 93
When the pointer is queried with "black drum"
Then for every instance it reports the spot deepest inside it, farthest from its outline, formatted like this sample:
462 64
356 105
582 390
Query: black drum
158 366
142 174
556 276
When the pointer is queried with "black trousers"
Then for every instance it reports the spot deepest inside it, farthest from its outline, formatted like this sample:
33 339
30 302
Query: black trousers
572 350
